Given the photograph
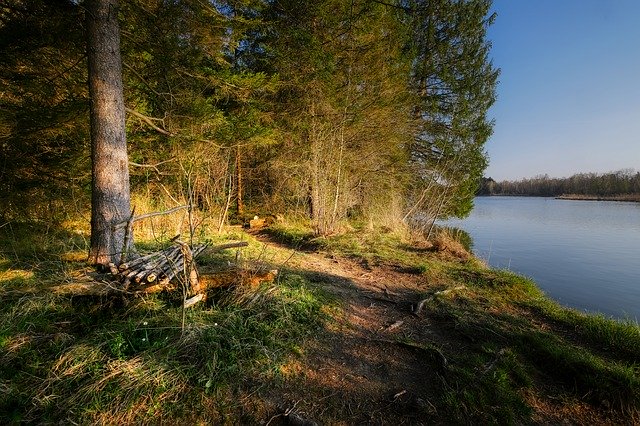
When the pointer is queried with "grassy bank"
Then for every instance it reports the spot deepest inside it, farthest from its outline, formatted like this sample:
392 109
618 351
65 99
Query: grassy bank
487 345
513 355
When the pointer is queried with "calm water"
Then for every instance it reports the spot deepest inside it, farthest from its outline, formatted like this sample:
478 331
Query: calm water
584 254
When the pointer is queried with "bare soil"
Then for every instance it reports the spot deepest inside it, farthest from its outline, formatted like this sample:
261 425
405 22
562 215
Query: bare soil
356 372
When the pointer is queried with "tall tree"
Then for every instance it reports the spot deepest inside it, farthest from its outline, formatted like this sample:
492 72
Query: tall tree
343 107
110 199
455 82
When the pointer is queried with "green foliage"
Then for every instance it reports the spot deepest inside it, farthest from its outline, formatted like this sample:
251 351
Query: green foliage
43 111
330 109
455 82
344 109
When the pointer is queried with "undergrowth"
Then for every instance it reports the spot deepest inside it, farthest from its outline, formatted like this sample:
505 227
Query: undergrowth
85 359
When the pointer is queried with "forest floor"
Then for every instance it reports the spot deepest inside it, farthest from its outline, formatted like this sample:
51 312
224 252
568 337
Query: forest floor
360 328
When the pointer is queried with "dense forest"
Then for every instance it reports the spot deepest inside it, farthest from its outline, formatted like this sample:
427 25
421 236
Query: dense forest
328 110
613 184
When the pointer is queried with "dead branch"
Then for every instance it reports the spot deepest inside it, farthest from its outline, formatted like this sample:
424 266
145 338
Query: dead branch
148 215
149 121
420 305
193 300
152 166
394 325
228 246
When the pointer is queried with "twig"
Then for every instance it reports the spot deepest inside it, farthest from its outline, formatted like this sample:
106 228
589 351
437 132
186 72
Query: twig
399 394
168 193
293 252
418 307
151 166
228 245
193 300
148 215
380 299
493 363
149 121
394 325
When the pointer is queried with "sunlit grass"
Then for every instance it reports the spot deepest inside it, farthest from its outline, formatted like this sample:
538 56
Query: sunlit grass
71 359
83 359
505 338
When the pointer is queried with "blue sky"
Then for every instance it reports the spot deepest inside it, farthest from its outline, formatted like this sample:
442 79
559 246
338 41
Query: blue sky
569 91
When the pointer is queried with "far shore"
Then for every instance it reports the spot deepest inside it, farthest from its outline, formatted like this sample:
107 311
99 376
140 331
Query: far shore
634 198
624 197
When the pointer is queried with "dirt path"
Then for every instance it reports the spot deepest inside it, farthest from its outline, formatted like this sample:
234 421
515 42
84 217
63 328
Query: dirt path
360 371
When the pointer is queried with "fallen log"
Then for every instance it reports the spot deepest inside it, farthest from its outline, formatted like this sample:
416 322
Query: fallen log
237 278
158 271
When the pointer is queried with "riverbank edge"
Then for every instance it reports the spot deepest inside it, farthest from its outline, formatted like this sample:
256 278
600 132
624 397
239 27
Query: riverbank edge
631 198
589 353
634 198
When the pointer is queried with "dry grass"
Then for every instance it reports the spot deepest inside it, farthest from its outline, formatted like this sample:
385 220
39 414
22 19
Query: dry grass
104 360
446 242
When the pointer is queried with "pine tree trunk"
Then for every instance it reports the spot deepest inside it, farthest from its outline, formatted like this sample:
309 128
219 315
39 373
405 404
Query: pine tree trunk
110 199
239 189
316 210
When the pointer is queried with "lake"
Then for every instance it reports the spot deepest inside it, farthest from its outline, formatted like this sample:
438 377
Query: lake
584 254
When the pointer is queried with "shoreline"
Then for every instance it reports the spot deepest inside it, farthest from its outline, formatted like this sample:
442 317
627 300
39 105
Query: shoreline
634 198
631 198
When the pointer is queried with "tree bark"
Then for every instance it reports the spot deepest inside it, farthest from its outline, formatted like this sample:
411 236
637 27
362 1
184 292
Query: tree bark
239 188
110 198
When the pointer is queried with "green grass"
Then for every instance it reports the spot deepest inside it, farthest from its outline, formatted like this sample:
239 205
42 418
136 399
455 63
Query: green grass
371 246
576 356
86 360
90 360
621 337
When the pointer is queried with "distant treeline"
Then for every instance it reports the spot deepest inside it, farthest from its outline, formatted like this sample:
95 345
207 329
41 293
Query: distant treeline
618 183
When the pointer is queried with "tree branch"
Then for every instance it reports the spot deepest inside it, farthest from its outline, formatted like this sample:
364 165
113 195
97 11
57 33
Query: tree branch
130 68
151 166
148 215
149 121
